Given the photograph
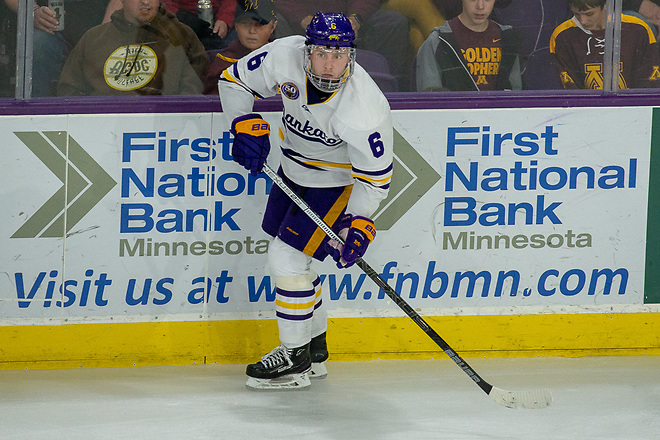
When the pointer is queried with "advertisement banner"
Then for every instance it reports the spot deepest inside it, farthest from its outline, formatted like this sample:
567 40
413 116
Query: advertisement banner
143 217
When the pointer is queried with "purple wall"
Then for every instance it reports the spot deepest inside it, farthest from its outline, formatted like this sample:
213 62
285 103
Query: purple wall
398 101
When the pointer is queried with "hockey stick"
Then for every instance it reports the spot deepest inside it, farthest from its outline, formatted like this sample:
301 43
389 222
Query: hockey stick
532 399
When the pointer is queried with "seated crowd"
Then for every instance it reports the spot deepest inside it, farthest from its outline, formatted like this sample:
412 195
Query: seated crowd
169 47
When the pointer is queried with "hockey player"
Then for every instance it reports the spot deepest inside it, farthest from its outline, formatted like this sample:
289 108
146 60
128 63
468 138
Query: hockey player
336 141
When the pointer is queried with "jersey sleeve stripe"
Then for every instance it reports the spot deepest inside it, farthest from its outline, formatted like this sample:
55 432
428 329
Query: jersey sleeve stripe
374 173
380 186
379 178
371 180
234 78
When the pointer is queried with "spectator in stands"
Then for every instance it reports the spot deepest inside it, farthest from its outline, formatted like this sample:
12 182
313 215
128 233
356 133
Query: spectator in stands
213 36
378 30
51 46
647 10
470 52
578 46
254 24
449 8
535 20
422 15
144 50
452 8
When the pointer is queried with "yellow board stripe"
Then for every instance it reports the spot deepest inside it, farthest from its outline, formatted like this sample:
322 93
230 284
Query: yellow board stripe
349 339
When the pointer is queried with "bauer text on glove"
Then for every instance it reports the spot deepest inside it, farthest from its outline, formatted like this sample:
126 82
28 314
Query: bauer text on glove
251 142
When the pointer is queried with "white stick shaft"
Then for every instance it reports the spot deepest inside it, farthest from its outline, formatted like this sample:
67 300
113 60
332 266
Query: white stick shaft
301 203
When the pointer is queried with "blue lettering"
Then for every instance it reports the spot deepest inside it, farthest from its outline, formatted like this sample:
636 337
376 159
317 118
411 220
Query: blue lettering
128 146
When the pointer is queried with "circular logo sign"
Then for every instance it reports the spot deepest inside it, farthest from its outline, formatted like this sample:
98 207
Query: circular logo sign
290 90
130 67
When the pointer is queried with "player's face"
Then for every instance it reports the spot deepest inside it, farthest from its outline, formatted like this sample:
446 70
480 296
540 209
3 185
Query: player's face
253 34
329 63
476 12
140 11
592 19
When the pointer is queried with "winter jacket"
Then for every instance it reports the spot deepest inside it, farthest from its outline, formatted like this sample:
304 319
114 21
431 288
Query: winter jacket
440 65
163 57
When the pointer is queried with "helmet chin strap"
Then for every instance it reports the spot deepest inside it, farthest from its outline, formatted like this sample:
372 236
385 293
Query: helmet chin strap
327 85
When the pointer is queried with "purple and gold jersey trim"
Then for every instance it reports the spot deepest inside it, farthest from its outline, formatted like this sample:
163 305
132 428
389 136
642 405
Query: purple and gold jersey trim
230 74
313 164
330 218
379 179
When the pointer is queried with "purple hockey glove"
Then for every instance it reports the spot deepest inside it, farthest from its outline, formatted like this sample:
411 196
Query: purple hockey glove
251 142
357 232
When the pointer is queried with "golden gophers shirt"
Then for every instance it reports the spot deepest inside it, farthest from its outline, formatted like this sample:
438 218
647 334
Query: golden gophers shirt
578 55
482 52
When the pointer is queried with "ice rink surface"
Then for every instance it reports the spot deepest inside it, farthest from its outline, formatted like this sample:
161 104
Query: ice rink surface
594 398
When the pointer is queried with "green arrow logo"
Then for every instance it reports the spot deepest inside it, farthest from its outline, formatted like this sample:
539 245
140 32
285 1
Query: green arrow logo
84 184
412 177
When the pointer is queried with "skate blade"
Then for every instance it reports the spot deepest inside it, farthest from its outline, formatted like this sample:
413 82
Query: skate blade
318 371
287 382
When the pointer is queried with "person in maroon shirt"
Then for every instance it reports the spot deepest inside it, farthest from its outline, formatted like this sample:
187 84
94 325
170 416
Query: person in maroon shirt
254 28
578 46
378 30
470 52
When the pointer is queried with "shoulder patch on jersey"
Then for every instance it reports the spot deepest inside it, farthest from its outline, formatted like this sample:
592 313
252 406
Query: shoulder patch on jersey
290 90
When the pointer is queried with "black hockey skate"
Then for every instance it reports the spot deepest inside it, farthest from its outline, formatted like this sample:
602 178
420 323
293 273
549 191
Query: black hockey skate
319 354
282 368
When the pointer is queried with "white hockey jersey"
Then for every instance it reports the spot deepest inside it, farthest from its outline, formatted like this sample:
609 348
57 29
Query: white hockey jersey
343 139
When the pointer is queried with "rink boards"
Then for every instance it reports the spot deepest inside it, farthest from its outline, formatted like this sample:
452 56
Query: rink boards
134 239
